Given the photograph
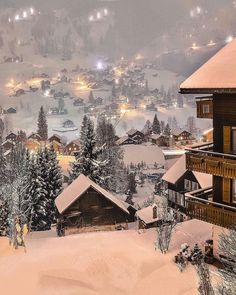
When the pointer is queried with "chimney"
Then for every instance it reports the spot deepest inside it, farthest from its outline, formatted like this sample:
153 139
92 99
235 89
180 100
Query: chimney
154 210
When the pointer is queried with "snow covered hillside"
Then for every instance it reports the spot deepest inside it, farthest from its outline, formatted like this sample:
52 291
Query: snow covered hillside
103 263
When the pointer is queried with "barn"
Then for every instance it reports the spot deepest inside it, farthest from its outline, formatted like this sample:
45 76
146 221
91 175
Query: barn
85 206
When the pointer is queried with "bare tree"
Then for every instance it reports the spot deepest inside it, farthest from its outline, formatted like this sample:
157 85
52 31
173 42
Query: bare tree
165 225
227 246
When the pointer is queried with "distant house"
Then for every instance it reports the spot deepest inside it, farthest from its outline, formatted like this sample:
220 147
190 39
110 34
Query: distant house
136 135
78 102
179 181
7 145
98 101
151 107
147 217
32 145
125 140
208 135
33 89
85 206
72 147
56 146
183 136
11 111
55 137
160 139
35 136
19 92
68 124
11 137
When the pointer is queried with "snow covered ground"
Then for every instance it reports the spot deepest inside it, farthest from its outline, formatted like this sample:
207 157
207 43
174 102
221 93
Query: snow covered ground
103 263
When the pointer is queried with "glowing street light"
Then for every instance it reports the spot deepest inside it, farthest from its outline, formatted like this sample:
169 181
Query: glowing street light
91 18
105 11
99 65
25 14
31 10
17 17
99 15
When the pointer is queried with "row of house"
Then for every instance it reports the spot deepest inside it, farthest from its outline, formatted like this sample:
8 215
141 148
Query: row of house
34 141
134 136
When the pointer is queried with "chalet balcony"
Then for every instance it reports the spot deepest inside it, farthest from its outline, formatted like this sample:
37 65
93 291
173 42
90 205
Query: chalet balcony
203 159
204 107
199 205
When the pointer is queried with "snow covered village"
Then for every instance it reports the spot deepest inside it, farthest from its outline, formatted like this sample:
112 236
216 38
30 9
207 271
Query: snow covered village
118 147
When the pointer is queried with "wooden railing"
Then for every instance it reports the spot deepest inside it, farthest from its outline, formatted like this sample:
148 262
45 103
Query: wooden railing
206 210
206 161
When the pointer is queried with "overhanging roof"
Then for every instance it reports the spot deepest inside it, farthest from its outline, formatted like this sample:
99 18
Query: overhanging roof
218 75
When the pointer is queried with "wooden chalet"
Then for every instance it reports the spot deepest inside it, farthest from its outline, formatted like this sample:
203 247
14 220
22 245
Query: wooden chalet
147 217
160 139
35 136
11 137
72 147
32 145
216 80
182 136
136 135
178 181
125 140
85 206
8 145
55 137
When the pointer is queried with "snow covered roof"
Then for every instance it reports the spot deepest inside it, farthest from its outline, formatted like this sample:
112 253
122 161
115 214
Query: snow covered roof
77 188
131 131
146 214
123 140
216 75
178 170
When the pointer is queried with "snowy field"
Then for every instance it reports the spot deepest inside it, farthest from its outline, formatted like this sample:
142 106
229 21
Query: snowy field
104 263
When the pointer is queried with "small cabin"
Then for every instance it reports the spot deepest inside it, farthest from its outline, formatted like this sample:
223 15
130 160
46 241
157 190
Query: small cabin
35 136
7 145
160 140
32 145
11 137
147 217
136 135
72 147
125 140
55 137
85 206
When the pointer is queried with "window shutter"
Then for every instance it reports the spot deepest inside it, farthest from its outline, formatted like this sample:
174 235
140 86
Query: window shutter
226 190
227 139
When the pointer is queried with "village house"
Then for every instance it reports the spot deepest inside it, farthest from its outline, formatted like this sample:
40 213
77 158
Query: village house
57 146
125 140
72 147
32 145
68 124
55 137
147 217
8 145
178 181
11 137
183 137
35 136
160 140
85 206
136 135
216 78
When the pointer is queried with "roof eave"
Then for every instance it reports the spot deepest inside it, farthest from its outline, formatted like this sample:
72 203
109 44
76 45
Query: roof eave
207 90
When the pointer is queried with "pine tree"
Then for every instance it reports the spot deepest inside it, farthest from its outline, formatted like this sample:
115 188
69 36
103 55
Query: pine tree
146 91
4 213
109 154
113 92
129 197
167 130
54 183
41 219
132 183
3 166
156 129
162 126
42 124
